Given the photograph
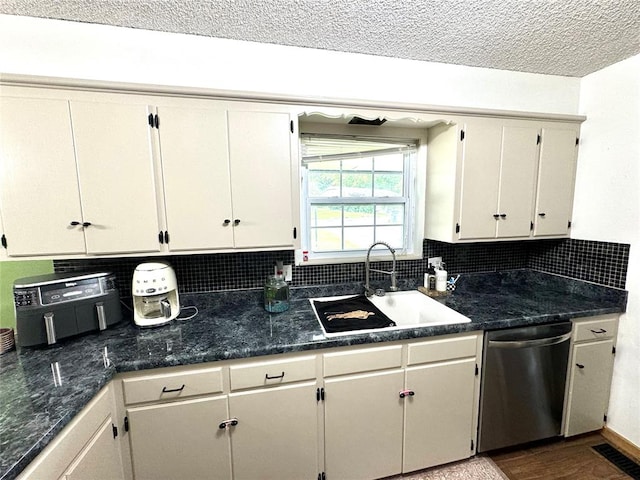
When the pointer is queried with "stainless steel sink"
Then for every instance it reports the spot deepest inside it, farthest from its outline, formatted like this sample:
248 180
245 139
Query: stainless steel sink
410 309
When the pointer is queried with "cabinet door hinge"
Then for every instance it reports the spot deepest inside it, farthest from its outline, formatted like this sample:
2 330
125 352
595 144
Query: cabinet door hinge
161 237
613 350
472 444
3 240
295 233
115 430
291 126
477 370
461 135
539 139
319 394
457 228
126 424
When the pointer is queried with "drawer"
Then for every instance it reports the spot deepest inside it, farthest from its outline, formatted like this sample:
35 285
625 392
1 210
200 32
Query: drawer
596 329
278 372
152 388
362 360
442 349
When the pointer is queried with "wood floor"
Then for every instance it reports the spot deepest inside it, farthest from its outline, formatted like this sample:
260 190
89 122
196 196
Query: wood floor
564 459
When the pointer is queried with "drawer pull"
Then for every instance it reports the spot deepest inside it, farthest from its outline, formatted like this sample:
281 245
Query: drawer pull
579 365
601 330
267 377
232 422
172 390
404 393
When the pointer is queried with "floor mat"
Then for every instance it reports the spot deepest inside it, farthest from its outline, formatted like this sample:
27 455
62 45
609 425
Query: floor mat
619 459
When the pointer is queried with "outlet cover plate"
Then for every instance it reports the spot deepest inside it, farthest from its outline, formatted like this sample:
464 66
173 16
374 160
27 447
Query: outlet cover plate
286 270
435 261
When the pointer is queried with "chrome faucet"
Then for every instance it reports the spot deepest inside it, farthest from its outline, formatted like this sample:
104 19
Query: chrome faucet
368 291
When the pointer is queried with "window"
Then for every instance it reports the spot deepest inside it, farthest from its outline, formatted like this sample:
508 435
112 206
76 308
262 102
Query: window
357 191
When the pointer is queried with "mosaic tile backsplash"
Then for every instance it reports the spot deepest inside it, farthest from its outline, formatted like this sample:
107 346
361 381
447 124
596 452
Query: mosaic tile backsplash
599 262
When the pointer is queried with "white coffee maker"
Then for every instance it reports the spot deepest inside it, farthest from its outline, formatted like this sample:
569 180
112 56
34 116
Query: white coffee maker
155 294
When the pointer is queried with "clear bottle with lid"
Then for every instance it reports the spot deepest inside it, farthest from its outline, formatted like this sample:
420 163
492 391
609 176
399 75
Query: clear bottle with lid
276 292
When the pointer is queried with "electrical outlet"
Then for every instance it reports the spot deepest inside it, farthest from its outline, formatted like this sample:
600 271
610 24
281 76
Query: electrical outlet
286 271
435 261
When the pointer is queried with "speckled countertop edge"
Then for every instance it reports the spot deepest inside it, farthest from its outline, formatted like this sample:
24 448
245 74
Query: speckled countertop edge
232 325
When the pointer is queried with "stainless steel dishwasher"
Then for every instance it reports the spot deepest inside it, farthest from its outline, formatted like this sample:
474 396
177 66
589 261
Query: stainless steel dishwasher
523 384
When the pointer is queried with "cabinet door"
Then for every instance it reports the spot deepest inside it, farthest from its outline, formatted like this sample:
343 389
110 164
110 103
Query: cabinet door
100 460
439 417
480 180
38 178
180 440
195 167
277 433
117 178
589 386
363 425
517 181
260 155
556 177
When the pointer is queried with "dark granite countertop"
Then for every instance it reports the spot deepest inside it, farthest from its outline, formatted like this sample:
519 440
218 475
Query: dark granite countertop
35 405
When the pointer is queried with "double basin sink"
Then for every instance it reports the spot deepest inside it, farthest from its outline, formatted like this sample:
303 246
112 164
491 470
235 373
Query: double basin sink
409 309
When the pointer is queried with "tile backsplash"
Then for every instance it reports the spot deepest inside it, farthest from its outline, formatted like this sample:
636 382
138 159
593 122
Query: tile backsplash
599 262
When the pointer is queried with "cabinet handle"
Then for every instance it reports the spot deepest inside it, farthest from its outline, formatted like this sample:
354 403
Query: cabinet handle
267 377
602 330
579 365
404 393
232 422
503 215
74 223
172 390
541 214
236 221
226 222
86 224
496 216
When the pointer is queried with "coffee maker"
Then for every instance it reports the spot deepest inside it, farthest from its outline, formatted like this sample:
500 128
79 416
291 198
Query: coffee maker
155 294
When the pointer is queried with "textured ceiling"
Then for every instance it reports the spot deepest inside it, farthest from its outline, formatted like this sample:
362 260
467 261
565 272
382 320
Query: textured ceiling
559 37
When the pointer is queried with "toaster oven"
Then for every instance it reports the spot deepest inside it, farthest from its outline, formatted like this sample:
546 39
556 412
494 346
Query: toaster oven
52 307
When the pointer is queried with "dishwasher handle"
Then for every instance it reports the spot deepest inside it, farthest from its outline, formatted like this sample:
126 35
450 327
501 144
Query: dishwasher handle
538 342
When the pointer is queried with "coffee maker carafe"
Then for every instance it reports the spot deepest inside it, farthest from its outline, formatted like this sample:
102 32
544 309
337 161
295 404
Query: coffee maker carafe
155 294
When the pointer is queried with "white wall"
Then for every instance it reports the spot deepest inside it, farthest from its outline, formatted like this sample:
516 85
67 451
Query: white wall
96 52
607 208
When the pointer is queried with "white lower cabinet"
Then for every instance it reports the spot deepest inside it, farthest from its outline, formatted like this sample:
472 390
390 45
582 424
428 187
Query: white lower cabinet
87 448
277 435
590 372
363 425
438 424
180 440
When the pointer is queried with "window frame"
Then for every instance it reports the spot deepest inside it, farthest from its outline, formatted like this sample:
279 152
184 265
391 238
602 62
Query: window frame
414 174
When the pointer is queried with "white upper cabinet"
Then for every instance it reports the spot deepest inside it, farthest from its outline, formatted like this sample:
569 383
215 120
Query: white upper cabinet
195 175
556 180
261 183
38 178
484 176
117 179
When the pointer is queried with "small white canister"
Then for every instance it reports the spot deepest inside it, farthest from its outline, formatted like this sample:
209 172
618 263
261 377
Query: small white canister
441 280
